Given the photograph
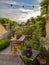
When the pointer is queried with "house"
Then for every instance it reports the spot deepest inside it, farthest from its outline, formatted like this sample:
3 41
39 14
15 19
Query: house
3 32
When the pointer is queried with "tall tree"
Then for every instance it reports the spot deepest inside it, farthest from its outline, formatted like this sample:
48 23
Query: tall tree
45 7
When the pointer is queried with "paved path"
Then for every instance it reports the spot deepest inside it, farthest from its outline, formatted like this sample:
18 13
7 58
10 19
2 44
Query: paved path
6 51
8 58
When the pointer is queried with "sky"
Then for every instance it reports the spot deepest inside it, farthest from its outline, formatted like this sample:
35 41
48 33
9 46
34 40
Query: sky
16 12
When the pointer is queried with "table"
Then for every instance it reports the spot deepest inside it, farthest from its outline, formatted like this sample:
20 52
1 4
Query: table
30 60
15 42
34 55
22 38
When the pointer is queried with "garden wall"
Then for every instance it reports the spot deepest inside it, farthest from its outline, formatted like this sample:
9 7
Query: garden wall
47 29
5 35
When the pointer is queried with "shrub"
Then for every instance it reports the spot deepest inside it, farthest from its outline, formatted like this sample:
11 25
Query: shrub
18 36
44 52
4 43
21 47
31 62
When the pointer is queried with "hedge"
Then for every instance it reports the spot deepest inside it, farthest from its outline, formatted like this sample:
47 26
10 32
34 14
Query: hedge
4 43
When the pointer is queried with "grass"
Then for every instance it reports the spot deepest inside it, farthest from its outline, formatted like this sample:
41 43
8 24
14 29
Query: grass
4 43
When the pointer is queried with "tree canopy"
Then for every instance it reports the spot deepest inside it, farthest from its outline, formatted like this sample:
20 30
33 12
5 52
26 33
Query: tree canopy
44 7
7 22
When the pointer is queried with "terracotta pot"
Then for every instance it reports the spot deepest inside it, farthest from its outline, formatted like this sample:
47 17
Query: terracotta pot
45 58
40 56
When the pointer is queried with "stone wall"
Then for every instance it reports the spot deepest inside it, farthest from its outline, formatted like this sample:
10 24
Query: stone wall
5 35
47 29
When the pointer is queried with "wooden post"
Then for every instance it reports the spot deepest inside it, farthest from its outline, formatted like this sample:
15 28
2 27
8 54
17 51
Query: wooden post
11 45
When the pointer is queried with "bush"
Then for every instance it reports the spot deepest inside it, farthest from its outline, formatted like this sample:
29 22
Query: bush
4 43
21 47
32 62
18 36
28 31
44 52
34 43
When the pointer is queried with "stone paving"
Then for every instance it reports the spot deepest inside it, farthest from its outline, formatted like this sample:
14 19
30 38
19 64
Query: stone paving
6 51
8 58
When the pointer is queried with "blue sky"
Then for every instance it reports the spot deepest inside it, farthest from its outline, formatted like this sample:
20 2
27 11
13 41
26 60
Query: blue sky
17 12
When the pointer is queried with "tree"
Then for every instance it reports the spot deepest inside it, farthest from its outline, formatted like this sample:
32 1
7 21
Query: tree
7 22
32 20
44 7
40 25
28 21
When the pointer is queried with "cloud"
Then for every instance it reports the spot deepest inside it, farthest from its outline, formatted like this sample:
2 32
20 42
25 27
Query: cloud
9 2
18 3
39 1
24 17
24 10
19 15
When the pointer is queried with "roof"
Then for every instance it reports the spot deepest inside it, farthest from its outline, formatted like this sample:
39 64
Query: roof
2 30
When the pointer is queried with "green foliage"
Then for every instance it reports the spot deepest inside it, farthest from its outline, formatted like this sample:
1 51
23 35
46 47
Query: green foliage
18 35
37 27
26 60
40 18
44 2
21 47
4 43
34 43
29 42
43 51
40 26
44 6
7 23
28 30
31 21
43 11
30 61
